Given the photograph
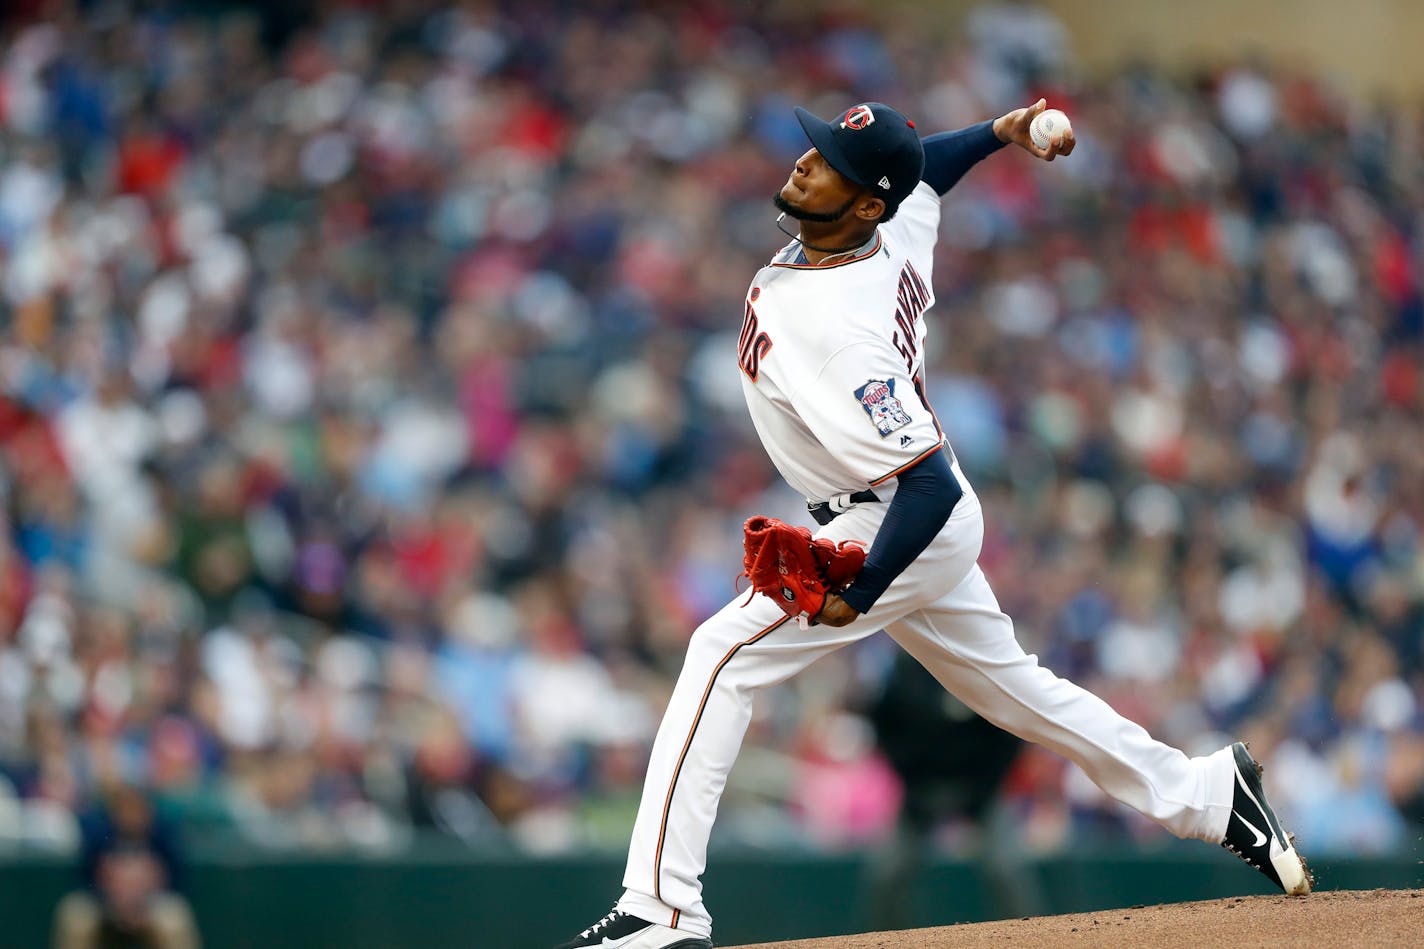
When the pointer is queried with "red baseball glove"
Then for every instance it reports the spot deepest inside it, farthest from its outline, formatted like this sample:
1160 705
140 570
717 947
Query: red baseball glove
795 569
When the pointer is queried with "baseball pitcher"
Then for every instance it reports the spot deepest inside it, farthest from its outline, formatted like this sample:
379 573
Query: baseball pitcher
831 356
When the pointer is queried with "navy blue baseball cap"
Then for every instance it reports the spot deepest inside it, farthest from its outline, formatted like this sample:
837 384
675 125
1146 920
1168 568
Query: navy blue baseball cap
873 145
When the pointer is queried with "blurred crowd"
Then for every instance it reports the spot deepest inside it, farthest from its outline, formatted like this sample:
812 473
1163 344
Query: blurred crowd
373 440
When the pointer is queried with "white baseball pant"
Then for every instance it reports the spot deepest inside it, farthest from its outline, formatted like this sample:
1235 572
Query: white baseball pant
942 611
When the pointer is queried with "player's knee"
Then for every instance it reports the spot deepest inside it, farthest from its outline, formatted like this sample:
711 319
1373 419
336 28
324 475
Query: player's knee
708 640
713 645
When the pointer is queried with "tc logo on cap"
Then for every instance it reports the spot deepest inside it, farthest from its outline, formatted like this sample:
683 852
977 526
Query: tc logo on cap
858 118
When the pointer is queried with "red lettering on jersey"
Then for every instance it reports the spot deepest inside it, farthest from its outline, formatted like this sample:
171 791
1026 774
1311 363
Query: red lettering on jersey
912 297
907 351
753 345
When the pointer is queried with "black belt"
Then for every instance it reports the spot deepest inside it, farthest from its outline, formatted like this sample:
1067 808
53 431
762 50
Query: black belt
825 511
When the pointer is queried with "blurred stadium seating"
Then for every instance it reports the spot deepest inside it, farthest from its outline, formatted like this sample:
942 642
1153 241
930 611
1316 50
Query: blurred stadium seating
372 440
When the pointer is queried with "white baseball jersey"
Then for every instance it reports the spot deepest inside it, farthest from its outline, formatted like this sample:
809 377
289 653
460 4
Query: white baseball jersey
831 357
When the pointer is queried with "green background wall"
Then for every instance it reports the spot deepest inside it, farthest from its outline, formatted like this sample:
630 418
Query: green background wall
246 902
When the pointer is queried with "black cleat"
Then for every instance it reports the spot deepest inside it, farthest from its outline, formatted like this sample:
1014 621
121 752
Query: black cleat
618 930
1254 833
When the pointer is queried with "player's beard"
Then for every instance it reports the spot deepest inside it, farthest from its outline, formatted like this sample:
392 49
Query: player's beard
815 217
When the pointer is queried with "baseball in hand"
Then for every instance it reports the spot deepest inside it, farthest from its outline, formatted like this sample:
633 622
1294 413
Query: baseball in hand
1045 125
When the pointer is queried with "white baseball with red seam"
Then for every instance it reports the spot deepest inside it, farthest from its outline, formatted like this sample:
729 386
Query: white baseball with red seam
1045 125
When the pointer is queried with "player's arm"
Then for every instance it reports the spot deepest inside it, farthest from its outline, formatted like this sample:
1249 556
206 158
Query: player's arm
925 496
948 155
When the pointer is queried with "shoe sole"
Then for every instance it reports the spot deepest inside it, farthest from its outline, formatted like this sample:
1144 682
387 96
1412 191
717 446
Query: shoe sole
693 942
1290 866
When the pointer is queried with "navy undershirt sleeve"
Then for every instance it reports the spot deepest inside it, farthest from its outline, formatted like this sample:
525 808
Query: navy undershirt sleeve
948 155
924 499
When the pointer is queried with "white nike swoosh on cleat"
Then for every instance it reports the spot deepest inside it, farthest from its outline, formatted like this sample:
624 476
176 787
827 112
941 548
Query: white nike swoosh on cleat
623 941
1260 837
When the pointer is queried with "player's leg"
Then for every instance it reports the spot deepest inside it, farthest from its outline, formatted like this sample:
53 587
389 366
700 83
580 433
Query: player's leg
968 643
744 647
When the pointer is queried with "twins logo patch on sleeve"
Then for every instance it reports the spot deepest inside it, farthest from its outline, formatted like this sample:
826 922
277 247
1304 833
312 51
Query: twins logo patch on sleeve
877 397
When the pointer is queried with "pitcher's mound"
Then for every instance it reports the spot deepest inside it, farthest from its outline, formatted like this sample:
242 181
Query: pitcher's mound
1370 919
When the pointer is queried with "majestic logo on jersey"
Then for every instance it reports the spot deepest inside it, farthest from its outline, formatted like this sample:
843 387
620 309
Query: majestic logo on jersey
858 118
877 397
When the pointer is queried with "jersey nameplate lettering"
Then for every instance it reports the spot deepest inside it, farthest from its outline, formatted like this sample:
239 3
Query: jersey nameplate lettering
911 300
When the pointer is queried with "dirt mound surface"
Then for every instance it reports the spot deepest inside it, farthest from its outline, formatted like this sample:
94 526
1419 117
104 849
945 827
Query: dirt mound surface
1370 919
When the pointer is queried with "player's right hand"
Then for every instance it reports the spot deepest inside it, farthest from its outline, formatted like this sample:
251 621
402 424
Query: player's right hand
1012 127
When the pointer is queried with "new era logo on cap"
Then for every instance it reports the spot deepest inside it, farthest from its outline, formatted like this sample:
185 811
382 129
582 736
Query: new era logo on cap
884 182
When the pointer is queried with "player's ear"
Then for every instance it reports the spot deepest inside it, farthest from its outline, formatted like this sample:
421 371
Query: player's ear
870 208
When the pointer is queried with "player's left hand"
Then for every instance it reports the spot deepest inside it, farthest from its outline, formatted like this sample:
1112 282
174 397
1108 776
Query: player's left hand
1012 127
836 612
